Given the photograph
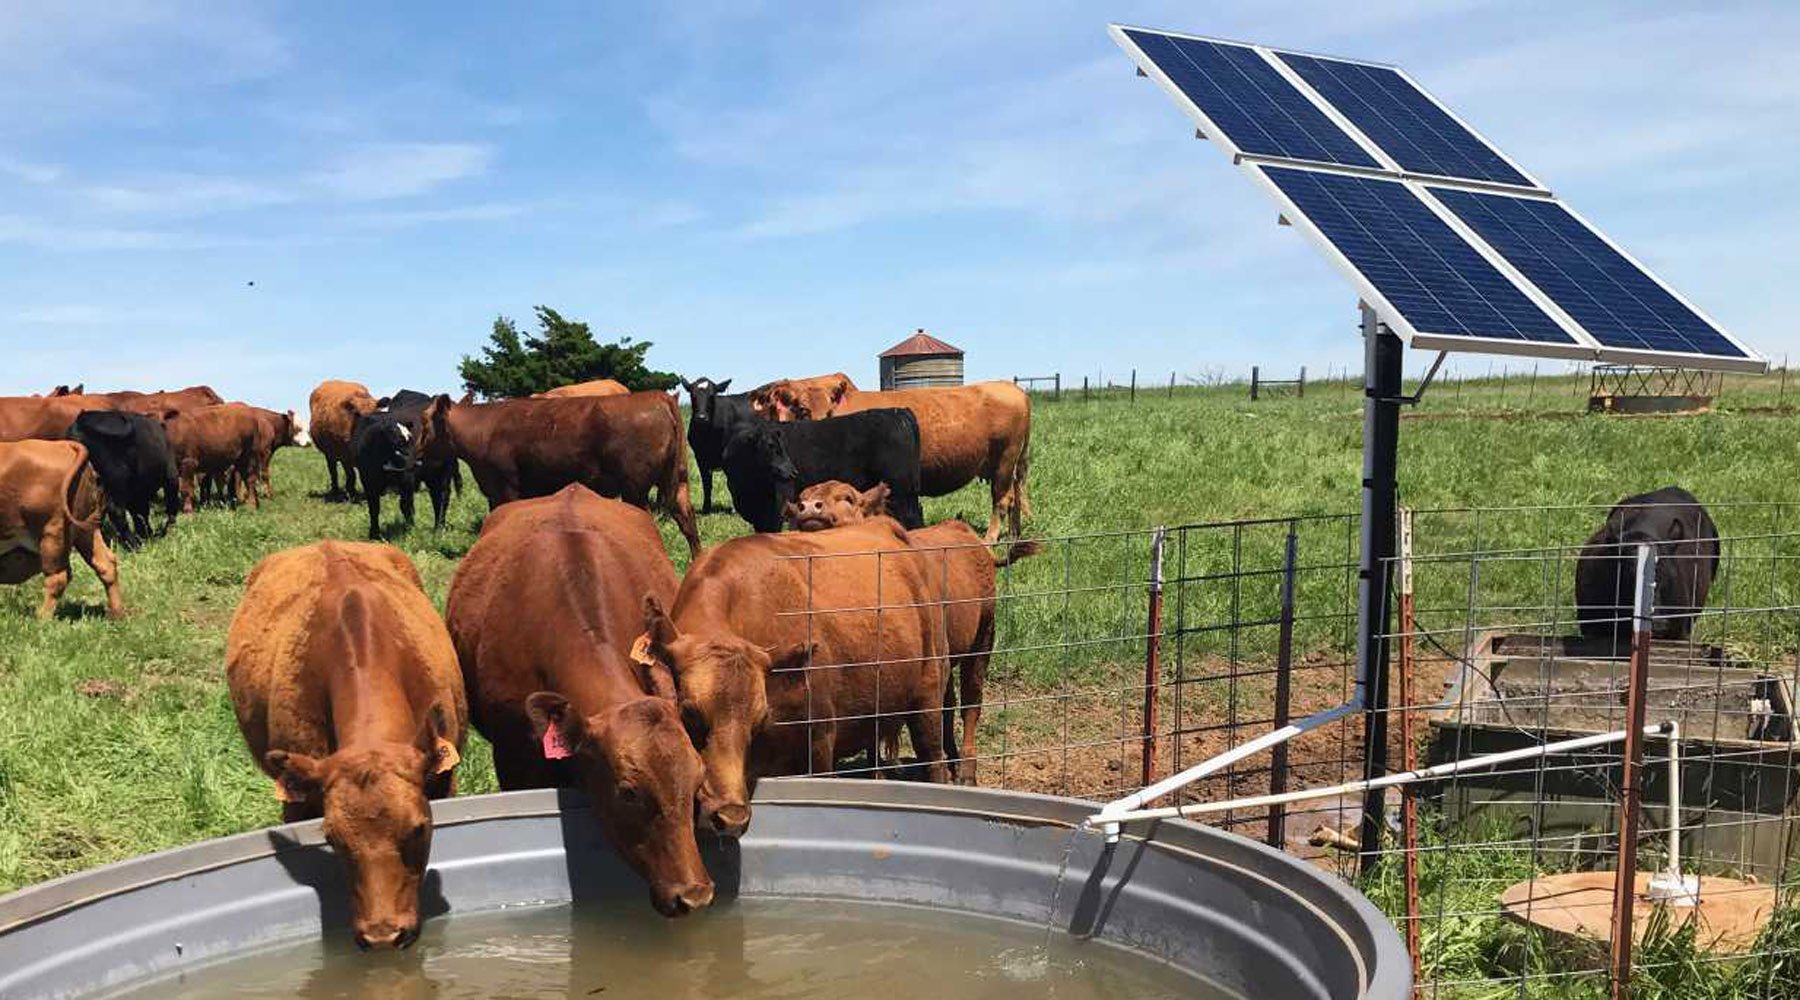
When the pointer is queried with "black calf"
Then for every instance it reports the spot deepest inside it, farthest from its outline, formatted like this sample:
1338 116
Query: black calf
1687 550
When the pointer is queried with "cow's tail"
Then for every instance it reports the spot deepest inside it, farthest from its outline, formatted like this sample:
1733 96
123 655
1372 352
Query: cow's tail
672 495
1015 552
71 486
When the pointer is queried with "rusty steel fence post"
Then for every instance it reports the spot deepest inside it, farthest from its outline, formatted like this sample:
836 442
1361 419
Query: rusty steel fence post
1284 669
1631 793
1153 654
1409 751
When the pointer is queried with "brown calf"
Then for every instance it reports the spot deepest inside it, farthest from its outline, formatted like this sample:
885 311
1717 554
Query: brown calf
216 441
812 398
50 501
767 688
617 446
962 570
543 611
346 689
275 430
333 407
980 431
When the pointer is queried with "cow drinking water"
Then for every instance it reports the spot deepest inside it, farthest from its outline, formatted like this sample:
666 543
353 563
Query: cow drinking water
347 692
544 612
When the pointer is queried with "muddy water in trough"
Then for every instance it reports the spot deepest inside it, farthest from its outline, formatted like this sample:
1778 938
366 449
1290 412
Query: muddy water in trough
750 949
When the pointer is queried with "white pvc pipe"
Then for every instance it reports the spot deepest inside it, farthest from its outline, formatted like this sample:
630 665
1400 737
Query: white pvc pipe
1112 817
1109 814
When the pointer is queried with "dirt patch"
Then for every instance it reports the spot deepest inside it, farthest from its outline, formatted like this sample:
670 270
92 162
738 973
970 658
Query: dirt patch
94 687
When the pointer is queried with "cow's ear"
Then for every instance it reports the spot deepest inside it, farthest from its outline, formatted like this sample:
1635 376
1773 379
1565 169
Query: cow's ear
551 711
434 742
468 398
721 386
298 777
873 500
658 626
685 384
795 657
79 390
839 391
790 512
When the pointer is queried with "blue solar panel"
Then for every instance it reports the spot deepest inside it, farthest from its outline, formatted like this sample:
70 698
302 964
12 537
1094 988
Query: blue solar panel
1257 109
1414 259
1617 302
1403 121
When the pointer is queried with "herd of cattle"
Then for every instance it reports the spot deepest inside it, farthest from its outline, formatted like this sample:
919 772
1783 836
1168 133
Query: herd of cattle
665 696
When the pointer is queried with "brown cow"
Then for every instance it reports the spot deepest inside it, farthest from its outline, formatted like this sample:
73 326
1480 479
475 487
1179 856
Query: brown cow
334 406
160 404
617 446
543 611
346 690
980 431
275 430
598 387
50 500
769 689
216 441
962 574
811 398
45 418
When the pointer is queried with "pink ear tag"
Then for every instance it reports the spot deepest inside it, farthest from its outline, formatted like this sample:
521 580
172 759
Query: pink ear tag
554 747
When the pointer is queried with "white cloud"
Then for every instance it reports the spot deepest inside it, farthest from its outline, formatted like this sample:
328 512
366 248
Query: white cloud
62 315
400 169
403 218
33 173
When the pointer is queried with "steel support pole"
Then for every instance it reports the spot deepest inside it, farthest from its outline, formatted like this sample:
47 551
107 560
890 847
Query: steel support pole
1381 447
1631 795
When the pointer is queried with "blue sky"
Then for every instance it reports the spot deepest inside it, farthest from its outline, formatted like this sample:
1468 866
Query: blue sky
783 189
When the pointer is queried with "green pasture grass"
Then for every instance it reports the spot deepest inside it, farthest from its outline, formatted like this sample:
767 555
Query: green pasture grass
117 738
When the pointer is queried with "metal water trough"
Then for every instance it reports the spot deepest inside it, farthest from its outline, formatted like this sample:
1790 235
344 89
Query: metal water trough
1738 774
1249 919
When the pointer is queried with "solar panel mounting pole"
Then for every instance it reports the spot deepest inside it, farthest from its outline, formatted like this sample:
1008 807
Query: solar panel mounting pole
1381 446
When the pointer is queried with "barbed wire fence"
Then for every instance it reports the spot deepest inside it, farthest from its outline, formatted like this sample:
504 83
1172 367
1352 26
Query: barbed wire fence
1121 658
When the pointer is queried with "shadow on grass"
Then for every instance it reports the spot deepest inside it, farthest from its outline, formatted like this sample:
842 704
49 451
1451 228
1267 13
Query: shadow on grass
69 611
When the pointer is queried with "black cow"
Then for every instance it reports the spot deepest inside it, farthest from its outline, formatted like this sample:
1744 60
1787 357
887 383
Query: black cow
393 450
130 453
1687 550
767 464
713 417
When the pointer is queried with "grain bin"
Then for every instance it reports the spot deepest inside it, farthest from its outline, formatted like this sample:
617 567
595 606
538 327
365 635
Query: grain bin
919 361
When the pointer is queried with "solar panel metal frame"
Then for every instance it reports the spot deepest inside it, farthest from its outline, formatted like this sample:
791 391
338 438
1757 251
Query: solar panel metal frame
1580 348
1750 362
1586 347
1537 185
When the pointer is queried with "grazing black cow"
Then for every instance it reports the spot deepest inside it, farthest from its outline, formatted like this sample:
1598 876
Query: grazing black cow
1687 551
395 449
131 454
767 464
713 417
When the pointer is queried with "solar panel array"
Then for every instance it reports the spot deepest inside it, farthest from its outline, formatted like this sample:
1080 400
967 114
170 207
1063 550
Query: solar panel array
1456 246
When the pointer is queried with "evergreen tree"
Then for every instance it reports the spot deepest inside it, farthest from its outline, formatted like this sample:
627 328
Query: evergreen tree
563 351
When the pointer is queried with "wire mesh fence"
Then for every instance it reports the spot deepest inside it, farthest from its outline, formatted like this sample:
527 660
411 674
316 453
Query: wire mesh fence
1092 665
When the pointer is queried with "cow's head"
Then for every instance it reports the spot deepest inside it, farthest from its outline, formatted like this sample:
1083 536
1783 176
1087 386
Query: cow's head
721 684
643 777
377 819
762 475
833 503
818 398
294 432
702 393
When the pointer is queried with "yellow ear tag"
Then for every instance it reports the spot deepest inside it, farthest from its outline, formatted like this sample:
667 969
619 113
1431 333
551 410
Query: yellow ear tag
640 652
447 757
